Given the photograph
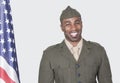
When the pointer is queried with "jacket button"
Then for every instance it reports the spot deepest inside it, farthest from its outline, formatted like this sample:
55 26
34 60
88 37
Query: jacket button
77 65
78 74
79 82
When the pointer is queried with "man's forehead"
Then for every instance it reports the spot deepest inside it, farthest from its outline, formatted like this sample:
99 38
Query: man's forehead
72 19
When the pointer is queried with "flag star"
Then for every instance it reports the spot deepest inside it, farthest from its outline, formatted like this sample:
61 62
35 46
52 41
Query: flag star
9 40
15 59
13 41
2 41
11 49
10 13
12 31
7 21
11 22
3 2
3 50
5 11
1 32
8 30
12 59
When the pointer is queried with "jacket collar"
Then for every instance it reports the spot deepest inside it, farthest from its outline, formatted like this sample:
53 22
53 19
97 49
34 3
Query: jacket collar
84 52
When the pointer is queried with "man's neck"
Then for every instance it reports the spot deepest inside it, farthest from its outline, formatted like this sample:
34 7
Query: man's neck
74 43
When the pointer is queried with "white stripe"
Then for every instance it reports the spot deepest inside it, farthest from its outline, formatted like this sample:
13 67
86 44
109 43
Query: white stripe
2 81
9 70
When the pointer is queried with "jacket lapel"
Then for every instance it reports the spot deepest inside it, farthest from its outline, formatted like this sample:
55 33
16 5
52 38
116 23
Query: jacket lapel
66 52
85 51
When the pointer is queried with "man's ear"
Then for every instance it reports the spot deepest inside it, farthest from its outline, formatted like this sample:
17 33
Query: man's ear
62 28
81 24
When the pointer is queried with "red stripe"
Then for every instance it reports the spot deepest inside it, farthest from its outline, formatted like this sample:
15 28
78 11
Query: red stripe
5 77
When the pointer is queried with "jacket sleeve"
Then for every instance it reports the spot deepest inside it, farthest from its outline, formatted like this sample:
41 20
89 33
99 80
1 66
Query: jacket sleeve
45 70
104 73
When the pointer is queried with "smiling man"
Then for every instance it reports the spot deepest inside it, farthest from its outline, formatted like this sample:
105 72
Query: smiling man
75 60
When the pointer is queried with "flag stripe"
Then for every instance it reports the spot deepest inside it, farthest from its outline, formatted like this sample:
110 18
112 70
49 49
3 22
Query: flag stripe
2 81
9 70
5 76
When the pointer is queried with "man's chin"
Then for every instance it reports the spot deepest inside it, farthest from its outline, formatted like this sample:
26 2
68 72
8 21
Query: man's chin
74 40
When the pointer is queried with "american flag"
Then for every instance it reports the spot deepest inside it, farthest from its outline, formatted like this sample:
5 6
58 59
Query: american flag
9 72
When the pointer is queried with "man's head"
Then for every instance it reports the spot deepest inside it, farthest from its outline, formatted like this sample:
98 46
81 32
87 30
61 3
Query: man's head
71 24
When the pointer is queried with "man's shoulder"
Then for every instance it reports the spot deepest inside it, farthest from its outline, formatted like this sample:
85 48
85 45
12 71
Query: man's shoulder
96 48
94 44
53 47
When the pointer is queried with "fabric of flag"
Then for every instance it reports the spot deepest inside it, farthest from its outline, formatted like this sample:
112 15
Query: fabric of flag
9 72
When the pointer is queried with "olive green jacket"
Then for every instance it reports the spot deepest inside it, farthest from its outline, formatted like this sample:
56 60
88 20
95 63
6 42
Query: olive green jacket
58 65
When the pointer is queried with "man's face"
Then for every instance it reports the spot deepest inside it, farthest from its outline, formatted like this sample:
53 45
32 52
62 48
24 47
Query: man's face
72 28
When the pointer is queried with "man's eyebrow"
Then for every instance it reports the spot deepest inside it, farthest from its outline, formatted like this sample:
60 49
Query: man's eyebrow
77 20
67 21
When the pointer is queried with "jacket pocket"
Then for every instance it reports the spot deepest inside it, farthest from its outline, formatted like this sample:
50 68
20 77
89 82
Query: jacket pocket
63 74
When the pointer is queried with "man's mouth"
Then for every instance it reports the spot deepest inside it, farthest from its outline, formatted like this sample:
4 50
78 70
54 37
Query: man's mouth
73 34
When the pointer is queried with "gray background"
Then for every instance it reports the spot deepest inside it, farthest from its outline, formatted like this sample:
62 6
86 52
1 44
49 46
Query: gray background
36 26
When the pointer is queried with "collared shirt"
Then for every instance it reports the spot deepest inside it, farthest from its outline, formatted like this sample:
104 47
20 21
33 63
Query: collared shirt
70 47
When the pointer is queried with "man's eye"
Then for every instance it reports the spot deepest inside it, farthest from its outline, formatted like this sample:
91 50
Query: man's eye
67 24
77 22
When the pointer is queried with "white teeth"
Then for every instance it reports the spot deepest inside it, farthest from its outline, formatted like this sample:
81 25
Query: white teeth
73 34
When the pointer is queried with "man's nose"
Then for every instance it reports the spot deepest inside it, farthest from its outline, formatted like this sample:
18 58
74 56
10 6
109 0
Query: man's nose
73 27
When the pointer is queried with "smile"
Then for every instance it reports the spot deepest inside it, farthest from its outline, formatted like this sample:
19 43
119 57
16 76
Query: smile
73 34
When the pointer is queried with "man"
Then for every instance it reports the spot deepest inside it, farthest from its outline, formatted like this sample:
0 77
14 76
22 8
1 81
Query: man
75 60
